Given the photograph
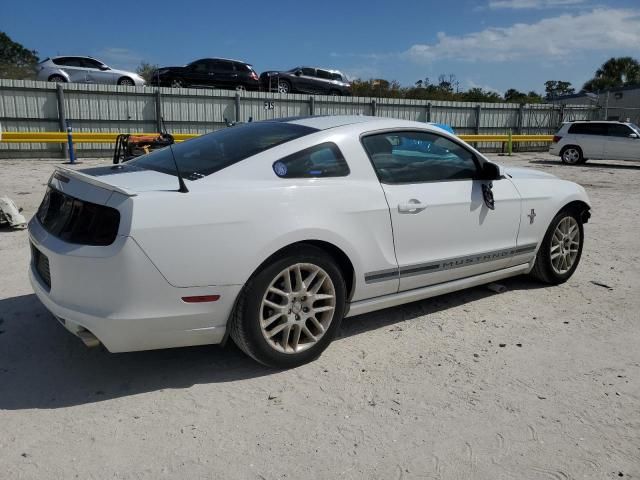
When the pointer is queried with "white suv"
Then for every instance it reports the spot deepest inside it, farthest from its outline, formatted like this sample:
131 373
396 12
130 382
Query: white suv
576 142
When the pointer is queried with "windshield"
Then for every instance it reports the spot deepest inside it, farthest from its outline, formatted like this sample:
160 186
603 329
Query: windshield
635 127
210 153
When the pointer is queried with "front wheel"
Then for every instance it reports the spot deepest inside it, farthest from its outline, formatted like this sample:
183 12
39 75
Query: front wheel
284 87
561 248
572 155
288 313
126 82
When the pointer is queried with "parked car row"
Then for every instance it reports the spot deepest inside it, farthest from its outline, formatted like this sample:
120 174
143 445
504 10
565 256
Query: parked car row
205 72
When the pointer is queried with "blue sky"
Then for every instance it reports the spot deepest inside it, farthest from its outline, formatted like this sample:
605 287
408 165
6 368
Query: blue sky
494 44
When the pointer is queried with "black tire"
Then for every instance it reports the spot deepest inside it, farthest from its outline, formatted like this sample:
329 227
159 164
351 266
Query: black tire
126 81
284 86
543 268
572 155
335 93
178 83
57 79
245 328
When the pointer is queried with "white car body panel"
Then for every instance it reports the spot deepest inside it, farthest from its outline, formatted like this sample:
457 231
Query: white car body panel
475 230
210 240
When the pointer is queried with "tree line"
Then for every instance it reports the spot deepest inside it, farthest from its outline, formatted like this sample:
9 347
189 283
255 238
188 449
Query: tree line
18 62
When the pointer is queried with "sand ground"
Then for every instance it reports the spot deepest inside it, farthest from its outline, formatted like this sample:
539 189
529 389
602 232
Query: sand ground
534 383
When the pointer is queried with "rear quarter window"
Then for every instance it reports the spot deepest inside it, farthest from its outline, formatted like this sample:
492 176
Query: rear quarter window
324 160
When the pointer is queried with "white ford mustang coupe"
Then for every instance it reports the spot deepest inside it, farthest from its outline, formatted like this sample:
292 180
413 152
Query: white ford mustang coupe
272 232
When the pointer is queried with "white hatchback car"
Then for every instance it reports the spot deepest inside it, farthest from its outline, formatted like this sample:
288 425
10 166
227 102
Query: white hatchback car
576 142
272 232
85 70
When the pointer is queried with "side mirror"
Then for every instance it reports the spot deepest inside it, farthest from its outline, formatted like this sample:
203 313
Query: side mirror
490 171
298 73
633 135
104 67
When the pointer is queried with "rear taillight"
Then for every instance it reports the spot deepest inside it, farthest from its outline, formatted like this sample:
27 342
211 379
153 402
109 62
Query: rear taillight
253 75
556 138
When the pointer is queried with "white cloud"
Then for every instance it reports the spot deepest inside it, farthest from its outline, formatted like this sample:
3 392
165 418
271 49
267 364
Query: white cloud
551 38
471 84
533 4
362 72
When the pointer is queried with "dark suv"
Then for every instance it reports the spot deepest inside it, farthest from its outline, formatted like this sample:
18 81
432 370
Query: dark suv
306 80
209 72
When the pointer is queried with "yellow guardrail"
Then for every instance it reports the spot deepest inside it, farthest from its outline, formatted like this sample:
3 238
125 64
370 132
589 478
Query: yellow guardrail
93 137
78 137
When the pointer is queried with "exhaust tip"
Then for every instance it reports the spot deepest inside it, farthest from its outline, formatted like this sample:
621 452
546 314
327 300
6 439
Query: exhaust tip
88 338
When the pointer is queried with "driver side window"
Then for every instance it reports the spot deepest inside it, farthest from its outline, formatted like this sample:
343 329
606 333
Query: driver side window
418 157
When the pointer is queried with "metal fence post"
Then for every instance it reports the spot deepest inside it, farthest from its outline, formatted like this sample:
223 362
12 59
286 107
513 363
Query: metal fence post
72 157
520 119
312 105
62 116
158 111
237 107
373 107
478 113
429 108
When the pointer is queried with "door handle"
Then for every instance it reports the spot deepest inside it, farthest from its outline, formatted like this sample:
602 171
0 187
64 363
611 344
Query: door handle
412 206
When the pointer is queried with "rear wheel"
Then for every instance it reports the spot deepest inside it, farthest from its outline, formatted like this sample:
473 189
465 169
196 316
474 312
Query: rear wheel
572 155
561 248
289 312
178 84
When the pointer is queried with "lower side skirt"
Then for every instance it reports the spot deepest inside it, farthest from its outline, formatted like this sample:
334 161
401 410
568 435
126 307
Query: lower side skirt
365 306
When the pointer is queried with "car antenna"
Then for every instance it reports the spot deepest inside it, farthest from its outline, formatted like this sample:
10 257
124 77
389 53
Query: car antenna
183 187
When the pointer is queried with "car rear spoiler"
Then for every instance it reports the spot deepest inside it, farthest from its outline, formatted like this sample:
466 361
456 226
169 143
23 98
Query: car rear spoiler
83 177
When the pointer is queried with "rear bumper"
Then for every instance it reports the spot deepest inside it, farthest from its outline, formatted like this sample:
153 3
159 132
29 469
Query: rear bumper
554 149
123 299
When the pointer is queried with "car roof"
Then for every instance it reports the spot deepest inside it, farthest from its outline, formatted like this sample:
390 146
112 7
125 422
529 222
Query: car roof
75 56
595 121
330 70
221 58
325 122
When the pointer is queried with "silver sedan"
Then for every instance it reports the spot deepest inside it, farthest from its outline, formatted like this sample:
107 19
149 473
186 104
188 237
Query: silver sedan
85 70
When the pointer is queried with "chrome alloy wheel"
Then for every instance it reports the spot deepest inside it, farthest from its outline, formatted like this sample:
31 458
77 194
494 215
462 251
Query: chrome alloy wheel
283 87
565 245
571 155
297 308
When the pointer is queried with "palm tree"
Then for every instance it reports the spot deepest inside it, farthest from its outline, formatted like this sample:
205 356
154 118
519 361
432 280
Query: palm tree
615 72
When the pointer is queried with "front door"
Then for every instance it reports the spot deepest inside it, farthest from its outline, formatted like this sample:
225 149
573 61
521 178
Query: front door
443 228
620 144
97 72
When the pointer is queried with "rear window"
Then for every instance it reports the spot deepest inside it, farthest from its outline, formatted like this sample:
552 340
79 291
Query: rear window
210 153
588 128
